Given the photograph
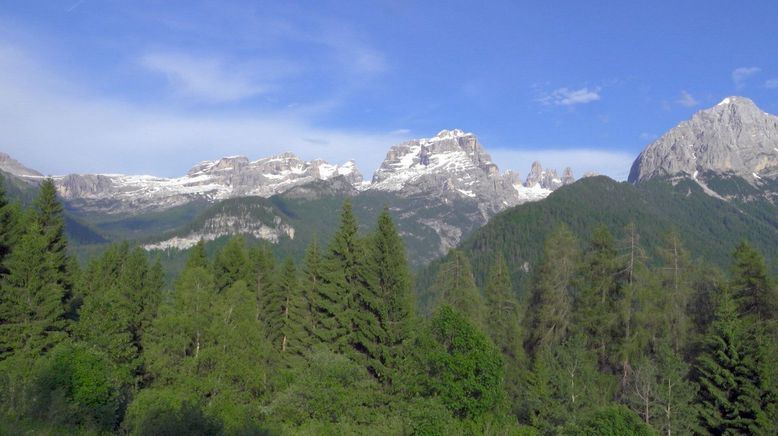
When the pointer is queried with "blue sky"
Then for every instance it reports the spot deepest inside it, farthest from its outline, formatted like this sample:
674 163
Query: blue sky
152 87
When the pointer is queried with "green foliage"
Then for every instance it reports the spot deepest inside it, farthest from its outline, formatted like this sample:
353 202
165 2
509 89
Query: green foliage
231 264
730 394
76 385
612 421
329 388
459 365
392 293
750 287
454 286
165 412
549 311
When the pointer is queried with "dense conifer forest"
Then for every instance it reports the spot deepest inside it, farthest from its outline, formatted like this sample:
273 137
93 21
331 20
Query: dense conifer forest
607 338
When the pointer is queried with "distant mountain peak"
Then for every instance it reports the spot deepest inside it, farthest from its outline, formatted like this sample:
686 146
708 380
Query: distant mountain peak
12 166
735 137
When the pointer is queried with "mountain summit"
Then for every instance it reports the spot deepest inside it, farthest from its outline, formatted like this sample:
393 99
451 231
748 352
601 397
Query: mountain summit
733 138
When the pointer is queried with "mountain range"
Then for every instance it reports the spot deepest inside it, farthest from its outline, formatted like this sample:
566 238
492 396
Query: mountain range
440 189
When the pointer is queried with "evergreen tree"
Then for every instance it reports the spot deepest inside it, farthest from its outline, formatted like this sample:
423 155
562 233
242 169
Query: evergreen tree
675 273
730 396
263 278
454 285
38 288
10 231
549 312
122 298
231 263
288 315
197 256
750 287
600 289
312 281
392 291
340 280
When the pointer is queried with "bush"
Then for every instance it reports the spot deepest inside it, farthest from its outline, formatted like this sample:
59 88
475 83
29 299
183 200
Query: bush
163 412
612 421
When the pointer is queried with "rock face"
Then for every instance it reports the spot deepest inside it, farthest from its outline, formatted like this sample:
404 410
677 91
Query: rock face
453 164
734 137
11 166
547 179
210 180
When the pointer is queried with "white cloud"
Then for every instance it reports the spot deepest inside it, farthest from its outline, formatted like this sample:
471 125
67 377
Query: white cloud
49 125
615 164
207 79
771 84
570 97
742 74
687 100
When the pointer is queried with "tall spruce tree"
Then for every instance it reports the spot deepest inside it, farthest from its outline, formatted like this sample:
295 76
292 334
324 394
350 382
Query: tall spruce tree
288 316
263 278
340 280
231 263
549 311
393 293
10 230
730 395
502 310
454 285
312 282
675 274
38 288
750 286
600 289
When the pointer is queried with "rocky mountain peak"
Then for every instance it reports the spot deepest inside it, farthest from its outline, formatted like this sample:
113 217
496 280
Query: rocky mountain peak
548 178
12 166
734 137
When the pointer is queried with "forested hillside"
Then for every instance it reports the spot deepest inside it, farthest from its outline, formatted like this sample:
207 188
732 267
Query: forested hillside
610 338
710 227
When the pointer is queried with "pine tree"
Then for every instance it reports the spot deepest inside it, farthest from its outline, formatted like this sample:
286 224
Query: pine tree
10 231
262 278
311 283
675 275
197 256
231 263
729 396
549 312
502 310
288 315
751 289
392 295
600 288
35 311
340 279
454 285
39 286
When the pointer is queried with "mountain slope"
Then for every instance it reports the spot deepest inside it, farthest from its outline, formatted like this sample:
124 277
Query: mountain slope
733 138
706 224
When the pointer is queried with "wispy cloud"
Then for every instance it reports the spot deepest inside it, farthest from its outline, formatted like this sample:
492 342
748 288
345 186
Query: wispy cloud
741 75
771 84
570 97
687 100
615 164
146 139
207 79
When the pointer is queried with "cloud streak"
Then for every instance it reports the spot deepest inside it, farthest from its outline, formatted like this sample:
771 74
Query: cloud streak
570 97
206 79
49 125
687 100
741 75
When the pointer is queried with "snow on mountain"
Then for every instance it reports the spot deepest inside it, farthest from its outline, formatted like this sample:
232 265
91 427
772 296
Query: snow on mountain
455 163
228 177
